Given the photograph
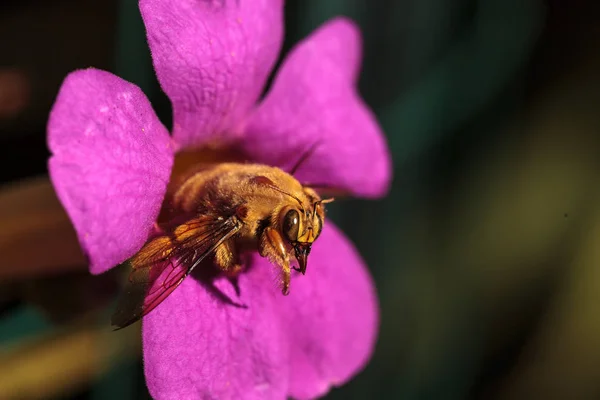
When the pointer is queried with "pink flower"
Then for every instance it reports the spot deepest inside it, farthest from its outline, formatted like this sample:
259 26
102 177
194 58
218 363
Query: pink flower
112 160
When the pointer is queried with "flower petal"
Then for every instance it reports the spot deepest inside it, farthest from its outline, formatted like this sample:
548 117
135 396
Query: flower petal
196 346
212 59
331 316
314 101
111 163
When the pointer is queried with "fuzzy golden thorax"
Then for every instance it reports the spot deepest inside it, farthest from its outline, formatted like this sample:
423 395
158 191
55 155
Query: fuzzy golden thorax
277 214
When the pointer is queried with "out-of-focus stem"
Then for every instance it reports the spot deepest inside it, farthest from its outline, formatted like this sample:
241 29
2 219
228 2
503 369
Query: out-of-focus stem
59 364
36 235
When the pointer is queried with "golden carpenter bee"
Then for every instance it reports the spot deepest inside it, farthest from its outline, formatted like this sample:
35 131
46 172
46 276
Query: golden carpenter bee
223 211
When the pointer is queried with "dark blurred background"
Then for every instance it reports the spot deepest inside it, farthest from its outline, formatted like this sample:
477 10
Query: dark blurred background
486 254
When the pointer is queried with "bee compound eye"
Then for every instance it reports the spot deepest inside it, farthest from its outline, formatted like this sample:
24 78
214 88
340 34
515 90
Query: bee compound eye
291 225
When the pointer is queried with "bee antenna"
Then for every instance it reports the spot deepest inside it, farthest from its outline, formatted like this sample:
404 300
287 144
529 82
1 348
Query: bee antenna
304 157
323 201
287 193
264 181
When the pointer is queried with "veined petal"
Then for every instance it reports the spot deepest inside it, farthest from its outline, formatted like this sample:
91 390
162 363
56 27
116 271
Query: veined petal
331 317
314 101
110 165
212 59
197 346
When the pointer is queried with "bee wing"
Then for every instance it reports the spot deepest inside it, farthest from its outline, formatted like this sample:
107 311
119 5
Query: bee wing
162 264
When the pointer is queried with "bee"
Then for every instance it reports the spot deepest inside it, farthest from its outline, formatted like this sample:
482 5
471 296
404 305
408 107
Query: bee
224 211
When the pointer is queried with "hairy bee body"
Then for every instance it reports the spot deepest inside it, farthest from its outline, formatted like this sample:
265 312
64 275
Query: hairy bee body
224 210
225 186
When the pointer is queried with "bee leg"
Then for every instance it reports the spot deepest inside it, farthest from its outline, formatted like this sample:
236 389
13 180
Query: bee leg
271 245
234 270
285 268
227 259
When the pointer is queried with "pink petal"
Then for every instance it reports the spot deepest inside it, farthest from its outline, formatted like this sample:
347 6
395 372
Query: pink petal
331 317
314 100
111 163
212 59
196 346
323 333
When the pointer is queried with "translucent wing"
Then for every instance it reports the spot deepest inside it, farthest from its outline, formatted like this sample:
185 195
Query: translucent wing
162 264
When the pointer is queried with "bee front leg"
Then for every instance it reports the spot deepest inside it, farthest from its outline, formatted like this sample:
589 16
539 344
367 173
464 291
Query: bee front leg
271 245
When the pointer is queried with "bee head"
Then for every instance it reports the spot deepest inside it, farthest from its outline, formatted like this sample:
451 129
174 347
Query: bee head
301 228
